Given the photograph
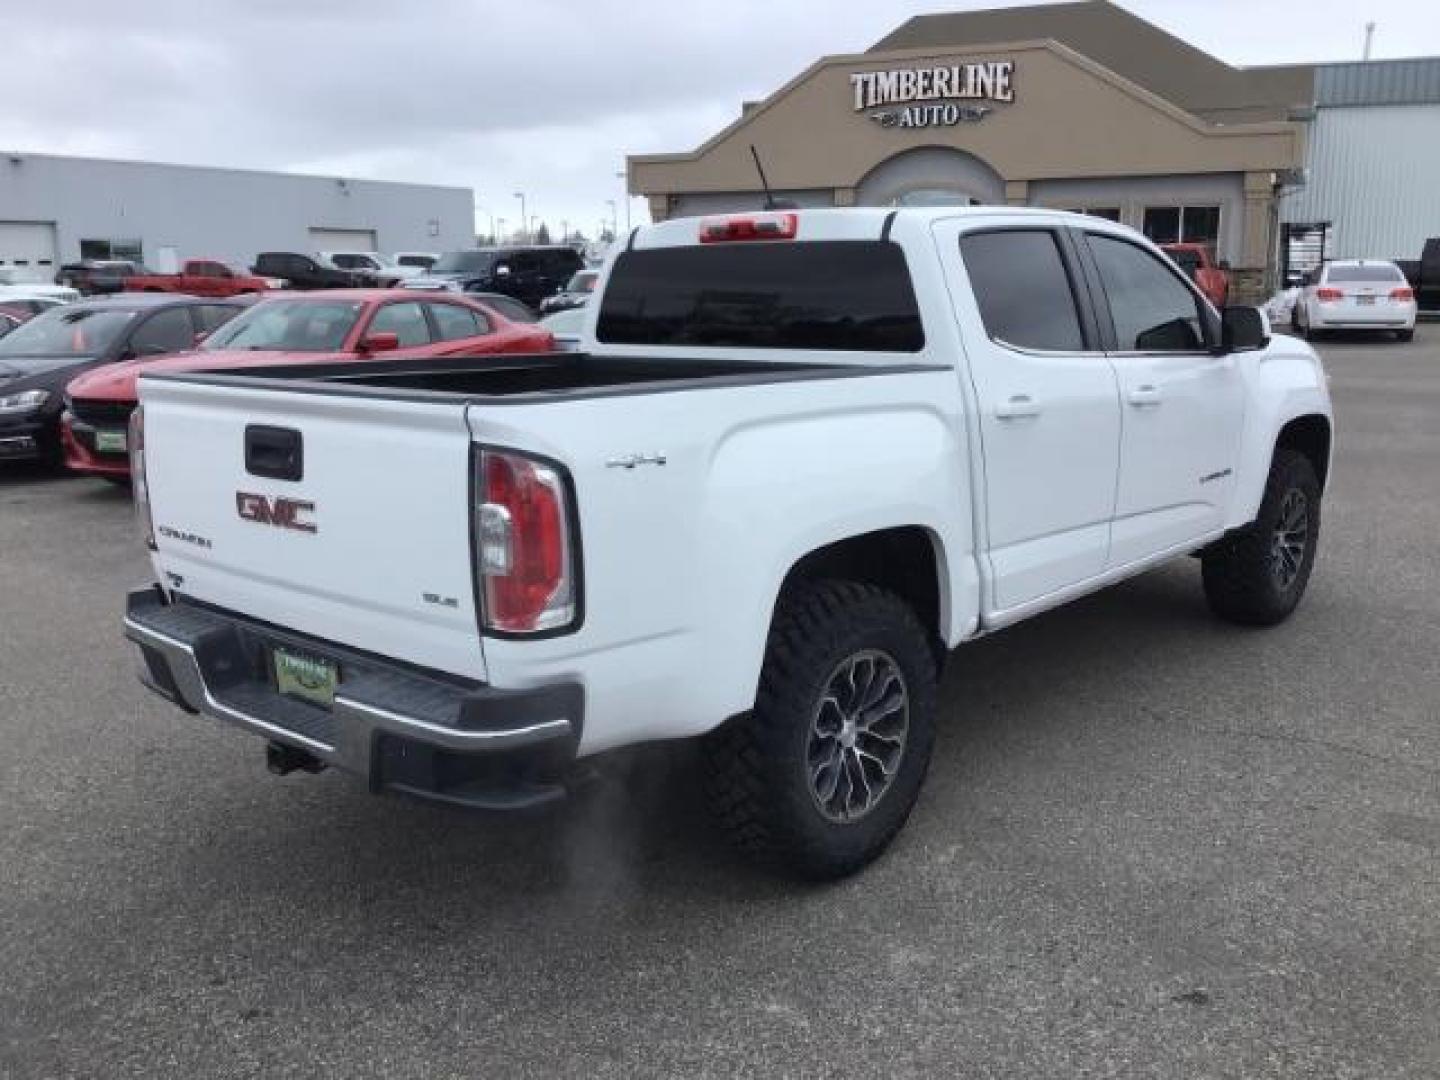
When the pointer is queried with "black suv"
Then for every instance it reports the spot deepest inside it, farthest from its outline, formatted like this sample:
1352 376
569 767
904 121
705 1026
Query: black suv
303 272
529 274
97 277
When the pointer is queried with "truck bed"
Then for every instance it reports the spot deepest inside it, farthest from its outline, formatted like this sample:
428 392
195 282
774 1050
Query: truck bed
526 377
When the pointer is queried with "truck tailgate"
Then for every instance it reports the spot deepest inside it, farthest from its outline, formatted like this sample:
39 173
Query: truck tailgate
369 548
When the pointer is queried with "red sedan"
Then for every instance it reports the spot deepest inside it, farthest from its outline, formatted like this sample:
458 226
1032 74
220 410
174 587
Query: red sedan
319 327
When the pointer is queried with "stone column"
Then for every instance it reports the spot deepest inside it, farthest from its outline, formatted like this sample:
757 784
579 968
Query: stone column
1017 192
844 196
1248 276
659 207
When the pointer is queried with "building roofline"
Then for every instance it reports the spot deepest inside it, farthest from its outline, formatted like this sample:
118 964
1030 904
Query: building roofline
10 154
1060 49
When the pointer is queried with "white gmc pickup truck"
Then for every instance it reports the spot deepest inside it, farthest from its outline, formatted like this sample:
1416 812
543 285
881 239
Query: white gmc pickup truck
803 456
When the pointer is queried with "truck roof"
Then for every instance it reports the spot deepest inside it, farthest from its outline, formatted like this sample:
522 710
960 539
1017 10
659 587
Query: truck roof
845 223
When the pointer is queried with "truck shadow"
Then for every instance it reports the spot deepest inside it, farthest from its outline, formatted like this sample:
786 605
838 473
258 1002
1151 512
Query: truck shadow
30 472
641 835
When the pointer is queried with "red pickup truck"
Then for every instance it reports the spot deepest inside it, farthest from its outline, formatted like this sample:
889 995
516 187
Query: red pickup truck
203 277
1210 277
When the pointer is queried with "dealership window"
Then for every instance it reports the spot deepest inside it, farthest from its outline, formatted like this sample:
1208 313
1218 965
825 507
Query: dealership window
936 197
123 250
1183 224
1023 290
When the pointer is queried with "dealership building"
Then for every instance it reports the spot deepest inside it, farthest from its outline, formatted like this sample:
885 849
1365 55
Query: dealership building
1084 106
55 210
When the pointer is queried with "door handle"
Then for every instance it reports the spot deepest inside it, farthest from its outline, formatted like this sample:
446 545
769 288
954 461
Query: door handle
1145 396
1019 407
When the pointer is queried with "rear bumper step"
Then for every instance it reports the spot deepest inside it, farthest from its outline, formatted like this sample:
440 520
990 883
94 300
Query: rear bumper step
402 730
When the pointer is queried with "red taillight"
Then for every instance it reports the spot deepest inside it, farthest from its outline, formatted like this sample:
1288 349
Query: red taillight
719 230
1329 294
1402 294
522 536
139 487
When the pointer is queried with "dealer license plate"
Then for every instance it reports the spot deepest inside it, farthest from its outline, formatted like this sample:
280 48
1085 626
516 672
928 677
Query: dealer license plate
110 442
1363 300
307 677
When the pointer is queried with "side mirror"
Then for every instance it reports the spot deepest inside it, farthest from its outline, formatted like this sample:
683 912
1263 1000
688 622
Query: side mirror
383 341
1242 329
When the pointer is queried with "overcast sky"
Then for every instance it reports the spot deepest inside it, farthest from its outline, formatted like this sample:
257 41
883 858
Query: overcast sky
541 96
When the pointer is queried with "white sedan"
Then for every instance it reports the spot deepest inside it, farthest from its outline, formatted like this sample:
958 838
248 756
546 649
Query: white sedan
1356 294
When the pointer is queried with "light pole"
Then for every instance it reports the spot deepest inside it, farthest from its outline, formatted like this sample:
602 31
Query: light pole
491 216
614 217
499 235
523 219
626 189
534 231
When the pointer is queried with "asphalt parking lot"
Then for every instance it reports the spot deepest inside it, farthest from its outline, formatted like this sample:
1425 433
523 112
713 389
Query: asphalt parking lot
1151 845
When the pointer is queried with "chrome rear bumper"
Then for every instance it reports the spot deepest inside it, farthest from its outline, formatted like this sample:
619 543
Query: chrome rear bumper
400 728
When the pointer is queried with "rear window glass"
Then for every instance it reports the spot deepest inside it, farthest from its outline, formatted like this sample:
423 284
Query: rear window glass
1375 273
844 295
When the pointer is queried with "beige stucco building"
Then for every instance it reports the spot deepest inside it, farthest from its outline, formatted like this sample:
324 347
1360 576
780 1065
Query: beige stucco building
1078 106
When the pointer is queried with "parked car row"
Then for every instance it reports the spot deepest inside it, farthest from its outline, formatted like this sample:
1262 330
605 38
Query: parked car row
548 277
68 376
529 274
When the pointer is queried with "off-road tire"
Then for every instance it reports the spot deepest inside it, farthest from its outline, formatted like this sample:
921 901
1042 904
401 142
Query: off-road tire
757 766
1239 571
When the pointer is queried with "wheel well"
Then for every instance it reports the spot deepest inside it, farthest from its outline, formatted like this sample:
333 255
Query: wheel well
1308 435
902 560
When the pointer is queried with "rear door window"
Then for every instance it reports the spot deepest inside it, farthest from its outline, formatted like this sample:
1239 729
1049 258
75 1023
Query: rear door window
453 322
1023 289
511 308
843 295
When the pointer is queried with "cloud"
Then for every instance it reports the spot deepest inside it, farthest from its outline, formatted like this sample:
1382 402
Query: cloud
546 96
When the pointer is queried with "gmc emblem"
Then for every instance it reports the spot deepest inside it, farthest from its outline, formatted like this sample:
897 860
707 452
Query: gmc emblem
281 512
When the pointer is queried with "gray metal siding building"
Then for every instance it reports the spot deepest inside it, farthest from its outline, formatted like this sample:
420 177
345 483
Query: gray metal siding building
59 209
1373 159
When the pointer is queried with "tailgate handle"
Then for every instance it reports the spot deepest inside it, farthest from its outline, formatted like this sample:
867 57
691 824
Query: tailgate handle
276 452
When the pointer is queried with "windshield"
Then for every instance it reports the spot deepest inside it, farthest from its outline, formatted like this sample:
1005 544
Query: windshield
289 326
67 331
463 262
1375 273
584 281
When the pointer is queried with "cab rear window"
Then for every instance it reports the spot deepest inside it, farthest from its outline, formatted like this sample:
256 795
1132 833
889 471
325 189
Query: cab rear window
843 295
1375 273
